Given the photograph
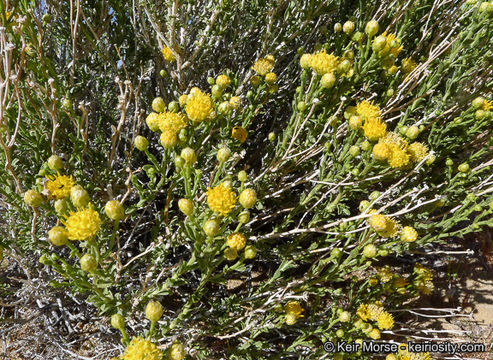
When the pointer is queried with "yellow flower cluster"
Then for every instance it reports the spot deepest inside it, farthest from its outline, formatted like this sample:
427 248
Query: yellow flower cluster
376 312
59 186
171 121
236 241
368 115
82 224
293 312
382 224
199 106
264 65
397 152
221 199
387 47
141 349
321 62
424 279
167 54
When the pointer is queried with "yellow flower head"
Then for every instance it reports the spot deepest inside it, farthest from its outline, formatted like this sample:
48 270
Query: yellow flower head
167 54
374 128
199 106
221 199
141 349
381 151
408 234
323 63
363 312
236 241
366 110
171 121
168 138
239 133
223 81
486 105
59 186
294 307
83 224
424 287
398 157
400 282
264 65
394 50
385 321
418 151
235 102
423 272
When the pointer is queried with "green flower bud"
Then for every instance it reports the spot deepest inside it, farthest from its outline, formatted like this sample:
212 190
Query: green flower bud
365 145
61 207
301 106
403 130
211 228
158 105
80 197
449 162
374 195
390 92
383 252
211 81
224 108
174 107
250 252
186 206
179 161
271 136
357 36
141 143
154 311
340 333
370 251
230 254
114 210
223 154
354 150
118 321
338 27
255 81
344 66
477 102
33 198
348 27
479 114
248 198
336 253
242 176
58 235
188 154
244 216
345 316
379 43
88 263
412 132
371 28
328 80
363 205
55 162
464 168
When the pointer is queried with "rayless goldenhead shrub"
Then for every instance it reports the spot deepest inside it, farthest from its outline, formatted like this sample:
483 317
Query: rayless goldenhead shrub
237 179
